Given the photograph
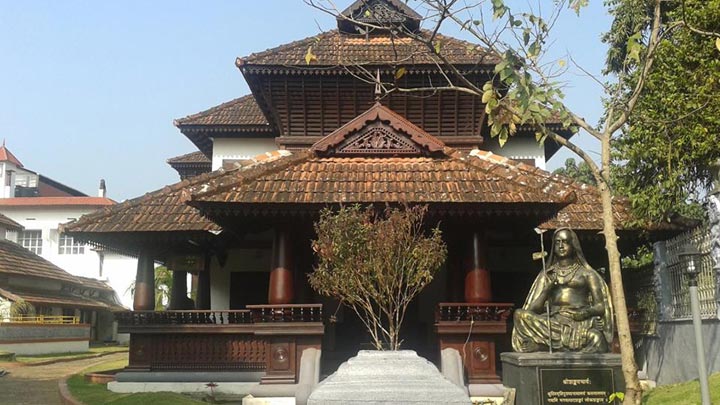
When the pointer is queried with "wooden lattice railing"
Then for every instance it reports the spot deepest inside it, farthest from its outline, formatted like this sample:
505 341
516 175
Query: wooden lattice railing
254 314
286 313
136 318
477 312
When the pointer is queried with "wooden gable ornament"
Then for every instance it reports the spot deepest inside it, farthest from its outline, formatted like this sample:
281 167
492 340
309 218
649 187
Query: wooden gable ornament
379 132
363 14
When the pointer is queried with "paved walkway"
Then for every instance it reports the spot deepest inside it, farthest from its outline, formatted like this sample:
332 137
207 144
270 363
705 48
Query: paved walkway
38 385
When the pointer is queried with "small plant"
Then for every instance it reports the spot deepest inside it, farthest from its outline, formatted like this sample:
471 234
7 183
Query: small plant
21 308
616 396
376 264
211 397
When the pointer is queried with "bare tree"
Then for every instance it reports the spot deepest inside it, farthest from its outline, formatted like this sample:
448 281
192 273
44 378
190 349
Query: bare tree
525 91
376 264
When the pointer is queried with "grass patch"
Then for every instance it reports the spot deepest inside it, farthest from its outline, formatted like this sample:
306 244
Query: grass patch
52 356
687 393
92 394
97 394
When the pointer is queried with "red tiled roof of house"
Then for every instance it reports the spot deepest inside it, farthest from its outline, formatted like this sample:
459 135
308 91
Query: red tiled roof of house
333 48
243 111
7 156
55 201
9 223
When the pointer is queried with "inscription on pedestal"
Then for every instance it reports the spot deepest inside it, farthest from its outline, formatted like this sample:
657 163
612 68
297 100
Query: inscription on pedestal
575 386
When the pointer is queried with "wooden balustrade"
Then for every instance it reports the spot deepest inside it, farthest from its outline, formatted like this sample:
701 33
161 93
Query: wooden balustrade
269 338
286 313
485 312
205 317
473 329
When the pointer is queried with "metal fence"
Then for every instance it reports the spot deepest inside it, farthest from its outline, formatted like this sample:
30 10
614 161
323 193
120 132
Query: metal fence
677 283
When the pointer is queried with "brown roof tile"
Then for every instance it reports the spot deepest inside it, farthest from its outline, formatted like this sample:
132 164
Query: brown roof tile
9 223
333 48
585 213
307 178
56 298
242 111
163 210
190 158
15 259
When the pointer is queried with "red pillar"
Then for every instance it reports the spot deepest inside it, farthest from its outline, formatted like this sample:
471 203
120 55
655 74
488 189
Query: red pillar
477 276
281 289
144 298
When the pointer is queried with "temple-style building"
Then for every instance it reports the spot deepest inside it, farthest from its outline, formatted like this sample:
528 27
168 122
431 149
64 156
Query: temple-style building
314 134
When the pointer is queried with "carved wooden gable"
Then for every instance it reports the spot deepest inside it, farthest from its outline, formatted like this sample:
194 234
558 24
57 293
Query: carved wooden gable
384 13
379 132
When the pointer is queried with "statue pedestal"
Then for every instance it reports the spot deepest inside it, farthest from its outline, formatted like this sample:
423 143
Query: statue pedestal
561 378
387 377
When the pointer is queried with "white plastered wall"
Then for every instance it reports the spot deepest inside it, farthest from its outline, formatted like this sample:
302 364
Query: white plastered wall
519 148
118 271
239 148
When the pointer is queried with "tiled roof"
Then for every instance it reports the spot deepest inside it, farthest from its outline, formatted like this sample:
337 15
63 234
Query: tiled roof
55 201
9 223
307 178
585 213
243 111
333 48
189 158
304 177
7 156
15 259
163 210
56 298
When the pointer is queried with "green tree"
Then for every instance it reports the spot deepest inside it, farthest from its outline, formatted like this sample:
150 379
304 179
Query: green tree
376 264
163 285
577 171
665 154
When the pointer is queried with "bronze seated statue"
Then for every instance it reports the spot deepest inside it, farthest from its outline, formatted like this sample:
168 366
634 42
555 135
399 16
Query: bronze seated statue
568 308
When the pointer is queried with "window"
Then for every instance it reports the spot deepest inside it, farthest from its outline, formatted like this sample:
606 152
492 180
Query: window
31 240
68 246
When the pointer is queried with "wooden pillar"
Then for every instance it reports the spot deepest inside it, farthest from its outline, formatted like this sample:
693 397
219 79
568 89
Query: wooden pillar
203 285
455 272
178 291
144 299
477 276
281 289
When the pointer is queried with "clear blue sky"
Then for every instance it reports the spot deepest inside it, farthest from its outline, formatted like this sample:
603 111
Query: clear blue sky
89 89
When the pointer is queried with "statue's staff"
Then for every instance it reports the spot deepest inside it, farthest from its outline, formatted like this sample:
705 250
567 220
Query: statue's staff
547 301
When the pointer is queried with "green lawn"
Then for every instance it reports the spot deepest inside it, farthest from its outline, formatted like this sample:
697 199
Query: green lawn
97 394
52 356
683 394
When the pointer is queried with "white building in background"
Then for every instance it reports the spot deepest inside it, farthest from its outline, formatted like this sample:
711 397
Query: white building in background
40 205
